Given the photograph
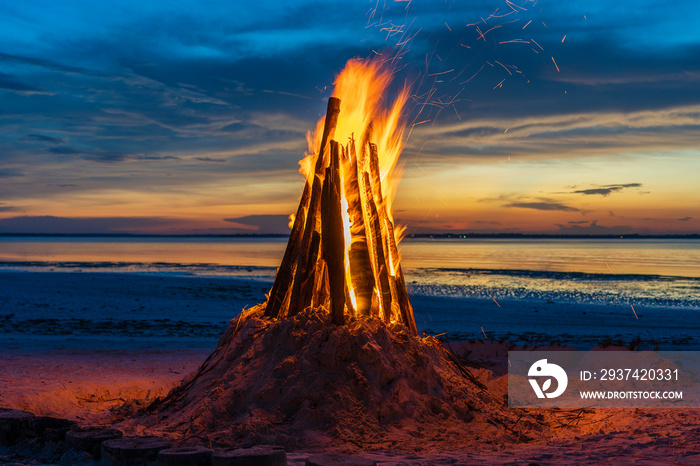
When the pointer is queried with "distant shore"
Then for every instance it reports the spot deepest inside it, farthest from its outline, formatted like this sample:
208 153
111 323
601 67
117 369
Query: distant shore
455 235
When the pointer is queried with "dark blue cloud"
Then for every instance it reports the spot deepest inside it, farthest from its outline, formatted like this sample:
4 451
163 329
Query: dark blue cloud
61 225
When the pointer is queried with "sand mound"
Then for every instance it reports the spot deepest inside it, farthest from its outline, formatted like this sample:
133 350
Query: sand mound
302 382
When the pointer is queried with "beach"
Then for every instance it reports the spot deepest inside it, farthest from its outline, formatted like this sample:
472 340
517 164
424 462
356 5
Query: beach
94 367
92 340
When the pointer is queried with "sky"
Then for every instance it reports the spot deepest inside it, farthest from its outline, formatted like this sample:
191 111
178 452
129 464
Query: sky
189 117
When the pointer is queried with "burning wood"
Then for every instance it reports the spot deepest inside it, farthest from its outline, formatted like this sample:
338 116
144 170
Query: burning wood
342 253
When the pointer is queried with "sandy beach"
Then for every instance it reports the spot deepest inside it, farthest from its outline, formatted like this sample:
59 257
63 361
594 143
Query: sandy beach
89 387
92 346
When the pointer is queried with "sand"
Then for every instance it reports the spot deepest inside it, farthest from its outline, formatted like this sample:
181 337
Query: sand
88 386
103 356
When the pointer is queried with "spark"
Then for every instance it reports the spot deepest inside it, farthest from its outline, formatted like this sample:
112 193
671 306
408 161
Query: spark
442 72
515 41
555 64
504 67
606 264
473 76
635 312
563 38
482 331
527 24
482 34
421 122
465 46
535 42
448 27
511 4
494 300
499 84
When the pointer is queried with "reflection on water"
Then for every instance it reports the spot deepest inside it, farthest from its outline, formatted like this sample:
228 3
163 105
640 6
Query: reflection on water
674 257
260 252
643 272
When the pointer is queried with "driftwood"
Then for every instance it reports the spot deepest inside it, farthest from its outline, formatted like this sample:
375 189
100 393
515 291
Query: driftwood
314 270
285 272
333 237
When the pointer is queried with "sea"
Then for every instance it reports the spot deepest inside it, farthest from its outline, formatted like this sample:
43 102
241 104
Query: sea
631 277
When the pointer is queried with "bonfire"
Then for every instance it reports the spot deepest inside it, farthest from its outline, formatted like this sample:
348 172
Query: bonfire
342 254
333 356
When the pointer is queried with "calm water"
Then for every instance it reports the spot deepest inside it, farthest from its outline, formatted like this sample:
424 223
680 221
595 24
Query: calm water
679 257
647 271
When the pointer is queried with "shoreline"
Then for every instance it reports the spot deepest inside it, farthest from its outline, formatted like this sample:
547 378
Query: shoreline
123 310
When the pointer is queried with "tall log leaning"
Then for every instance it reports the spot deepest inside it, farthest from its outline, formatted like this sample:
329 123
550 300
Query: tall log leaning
398 284
285 273
332 235
361 276
302 290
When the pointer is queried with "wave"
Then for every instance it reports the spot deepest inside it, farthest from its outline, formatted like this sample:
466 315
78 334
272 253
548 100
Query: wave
558 275
464 283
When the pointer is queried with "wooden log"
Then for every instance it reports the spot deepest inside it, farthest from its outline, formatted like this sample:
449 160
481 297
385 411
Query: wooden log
285 273
405 303
302 287
184 456
332 111
321 295
304 279
133 450
361 276
332 235
90 439
398 288
374 235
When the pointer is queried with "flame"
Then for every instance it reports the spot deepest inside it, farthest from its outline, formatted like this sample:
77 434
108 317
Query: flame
366 117
361 86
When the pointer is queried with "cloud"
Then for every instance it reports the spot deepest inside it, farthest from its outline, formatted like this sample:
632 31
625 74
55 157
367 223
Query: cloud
48 224
7 208
263 224
105 156
607 189
154 157
685 219
34 137
8 83
548 206
209 159
49 65
9 173
594 229
64 150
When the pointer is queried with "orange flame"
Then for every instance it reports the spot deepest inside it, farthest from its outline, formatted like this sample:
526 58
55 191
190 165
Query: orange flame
370 131
361 87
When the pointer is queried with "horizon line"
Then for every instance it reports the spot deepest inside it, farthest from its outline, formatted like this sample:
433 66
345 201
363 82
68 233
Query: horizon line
443 235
